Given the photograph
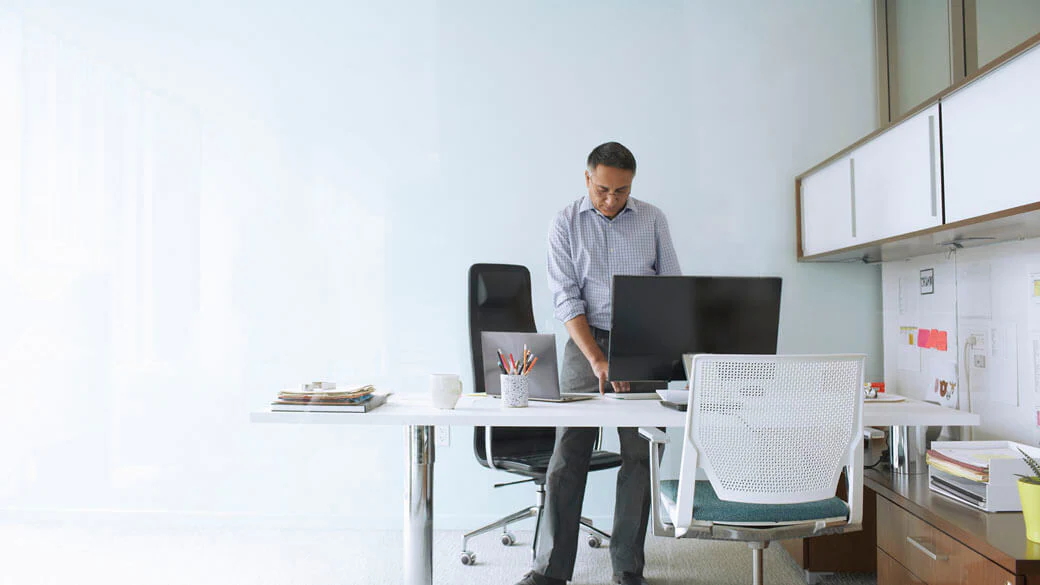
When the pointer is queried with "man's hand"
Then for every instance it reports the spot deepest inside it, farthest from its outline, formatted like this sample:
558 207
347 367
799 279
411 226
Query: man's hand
600 368
581 335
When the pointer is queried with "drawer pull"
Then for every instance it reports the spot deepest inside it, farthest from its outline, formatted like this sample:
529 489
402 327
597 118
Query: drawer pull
927 551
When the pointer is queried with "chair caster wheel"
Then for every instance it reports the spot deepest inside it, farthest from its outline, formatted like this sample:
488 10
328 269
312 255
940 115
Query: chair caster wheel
468 558
508 539
594 541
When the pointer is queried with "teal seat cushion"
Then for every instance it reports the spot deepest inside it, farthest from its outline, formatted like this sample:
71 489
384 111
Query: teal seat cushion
707 507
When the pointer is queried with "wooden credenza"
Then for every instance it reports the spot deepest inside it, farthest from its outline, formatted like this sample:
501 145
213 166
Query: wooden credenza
837 553
923 537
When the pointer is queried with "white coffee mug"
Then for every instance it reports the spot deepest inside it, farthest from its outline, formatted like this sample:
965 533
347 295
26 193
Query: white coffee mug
515 391
445 390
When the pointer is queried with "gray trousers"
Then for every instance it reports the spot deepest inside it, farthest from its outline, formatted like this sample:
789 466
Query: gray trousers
566 479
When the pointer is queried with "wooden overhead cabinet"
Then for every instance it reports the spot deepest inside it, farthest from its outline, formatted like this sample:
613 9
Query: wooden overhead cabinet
886 186
828 217
991 140
959 171
899 179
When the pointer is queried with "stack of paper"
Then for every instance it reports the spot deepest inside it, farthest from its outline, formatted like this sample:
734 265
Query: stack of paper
328 398
962 474
963 490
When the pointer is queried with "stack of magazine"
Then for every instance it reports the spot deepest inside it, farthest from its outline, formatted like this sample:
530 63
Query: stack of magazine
326 397
976 474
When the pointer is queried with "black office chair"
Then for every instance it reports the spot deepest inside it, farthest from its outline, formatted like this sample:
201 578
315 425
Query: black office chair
500 300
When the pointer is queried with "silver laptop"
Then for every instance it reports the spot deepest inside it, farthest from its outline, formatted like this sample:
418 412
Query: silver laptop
544 378
687 362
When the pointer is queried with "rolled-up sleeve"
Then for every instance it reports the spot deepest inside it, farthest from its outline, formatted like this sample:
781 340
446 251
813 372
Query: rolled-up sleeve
667 260
563 281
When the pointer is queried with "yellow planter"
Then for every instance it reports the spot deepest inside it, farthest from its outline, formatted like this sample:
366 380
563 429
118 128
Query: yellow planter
1029 493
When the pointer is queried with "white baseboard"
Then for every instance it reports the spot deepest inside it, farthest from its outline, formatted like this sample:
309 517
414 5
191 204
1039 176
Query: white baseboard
189 519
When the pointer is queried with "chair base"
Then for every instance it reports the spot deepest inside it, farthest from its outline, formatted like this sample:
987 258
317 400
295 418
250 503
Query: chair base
595 540
756 560
816 577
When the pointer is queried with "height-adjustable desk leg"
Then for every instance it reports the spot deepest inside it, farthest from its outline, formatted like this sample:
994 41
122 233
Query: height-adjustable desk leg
907 446
418 513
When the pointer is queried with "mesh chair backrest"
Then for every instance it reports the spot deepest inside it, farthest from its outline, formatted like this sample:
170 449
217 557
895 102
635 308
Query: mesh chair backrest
500 300
775 429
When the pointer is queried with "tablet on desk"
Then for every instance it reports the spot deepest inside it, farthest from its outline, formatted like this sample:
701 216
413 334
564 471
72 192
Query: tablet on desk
633 395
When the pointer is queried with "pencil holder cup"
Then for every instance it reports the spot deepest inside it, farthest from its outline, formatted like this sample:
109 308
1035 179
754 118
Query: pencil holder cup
514 390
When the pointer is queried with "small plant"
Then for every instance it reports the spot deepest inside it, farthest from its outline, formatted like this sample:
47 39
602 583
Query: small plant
1033 465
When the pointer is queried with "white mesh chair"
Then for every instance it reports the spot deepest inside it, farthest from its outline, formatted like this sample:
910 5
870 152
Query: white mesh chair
773 434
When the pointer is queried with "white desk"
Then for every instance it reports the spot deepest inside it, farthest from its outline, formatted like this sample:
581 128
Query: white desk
415 413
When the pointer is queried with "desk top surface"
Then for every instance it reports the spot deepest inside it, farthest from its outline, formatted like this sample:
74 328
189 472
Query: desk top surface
415 409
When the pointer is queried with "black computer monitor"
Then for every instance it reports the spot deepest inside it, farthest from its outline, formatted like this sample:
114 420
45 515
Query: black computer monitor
656 319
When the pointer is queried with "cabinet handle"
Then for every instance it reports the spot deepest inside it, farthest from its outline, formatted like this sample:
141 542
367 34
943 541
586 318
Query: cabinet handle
931 158
852 192
927 551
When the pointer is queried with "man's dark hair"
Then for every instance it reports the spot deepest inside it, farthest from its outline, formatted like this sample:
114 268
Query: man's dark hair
612 154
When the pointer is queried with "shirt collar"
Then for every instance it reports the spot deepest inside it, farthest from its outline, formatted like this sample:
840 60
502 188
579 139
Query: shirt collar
586 205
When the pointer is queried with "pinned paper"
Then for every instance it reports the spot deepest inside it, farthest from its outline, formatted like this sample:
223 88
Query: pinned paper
932 339
906 335
908 355
945 388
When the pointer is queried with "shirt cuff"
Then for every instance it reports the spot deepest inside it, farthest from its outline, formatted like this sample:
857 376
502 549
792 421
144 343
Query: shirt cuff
569 309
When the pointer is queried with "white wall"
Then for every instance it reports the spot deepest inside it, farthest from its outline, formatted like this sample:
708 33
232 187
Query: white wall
985 292
351 161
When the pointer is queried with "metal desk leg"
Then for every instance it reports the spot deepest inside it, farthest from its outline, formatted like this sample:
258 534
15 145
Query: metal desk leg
906 447
418 513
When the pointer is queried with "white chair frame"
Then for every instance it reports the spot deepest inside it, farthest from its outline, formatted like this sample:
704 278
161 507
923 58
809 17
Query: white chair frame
841 378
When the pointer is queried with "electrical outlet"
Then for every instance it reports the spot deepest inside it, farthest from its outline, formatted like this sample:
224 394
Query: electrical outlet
442 436
980 361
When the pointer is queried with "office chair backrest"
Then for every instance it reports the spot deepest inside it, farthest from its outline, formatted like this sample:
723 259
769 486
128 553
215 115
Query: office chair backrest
500 300
775 429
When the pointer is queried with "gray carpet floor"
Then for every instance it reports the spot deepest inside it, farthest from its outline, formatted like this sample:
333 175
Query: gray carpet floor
35 554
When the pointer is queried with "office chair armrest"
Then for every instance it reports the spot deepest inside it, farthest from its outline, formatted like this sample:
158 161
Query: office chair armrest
654 435
487 448
854 476
657 439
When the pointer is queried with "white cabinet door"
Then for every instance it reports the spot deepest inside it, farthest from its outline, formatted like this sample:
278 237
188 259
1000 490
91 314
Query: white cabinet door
828 222
991 149
898 181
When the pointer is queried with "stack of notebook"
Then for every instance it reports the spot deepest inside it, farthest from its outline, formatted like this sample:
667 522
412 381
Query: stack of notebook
980 474
326 397
957 477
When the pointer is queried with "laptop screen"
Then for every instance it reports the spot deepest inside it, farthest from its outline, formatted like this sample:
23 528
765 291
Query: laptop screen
543 379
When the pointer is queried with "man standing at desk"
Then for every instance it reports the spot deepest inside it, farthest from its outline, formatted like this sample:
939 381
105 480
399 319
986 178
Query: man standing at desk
602 234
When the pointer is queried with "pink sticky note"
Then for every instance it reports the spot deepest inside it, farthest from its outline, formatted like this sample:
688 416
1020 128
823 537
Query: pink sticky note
939 339
923 336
